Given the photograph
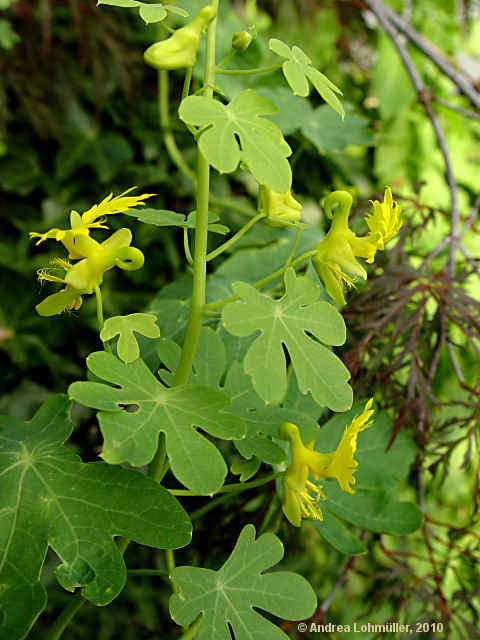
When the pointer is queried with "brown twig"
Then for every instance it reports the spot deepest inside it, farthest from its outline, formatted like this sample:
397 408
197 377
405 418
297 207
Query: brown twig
464 112
390 21
464 84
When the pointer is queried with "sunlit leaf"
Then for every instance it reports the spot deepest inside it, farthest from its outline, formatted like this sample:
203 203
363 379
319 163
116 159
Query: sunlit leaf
124 327
236 132
298 70
284 323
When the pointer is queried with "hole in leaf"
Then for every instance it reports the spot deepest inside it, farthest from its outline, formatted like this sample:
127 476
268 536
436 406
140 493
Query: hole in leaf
130 408
237 138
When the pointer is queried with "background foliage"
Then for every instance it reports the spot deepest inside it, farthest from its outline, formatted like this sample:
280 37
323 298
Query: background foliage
78 119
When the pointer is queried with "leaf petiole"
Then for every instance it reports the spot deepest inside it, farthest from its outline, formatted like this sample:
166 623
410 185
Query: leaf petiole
223 247
237 487
187 81
148 572
170 144
98 298
225 60
63 620
192 630
248 72
186 246
294 247
219 303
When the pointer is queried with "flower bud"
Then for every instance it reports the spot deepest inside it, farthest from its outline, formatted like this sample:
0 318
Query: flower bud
280 209
180 49
241 40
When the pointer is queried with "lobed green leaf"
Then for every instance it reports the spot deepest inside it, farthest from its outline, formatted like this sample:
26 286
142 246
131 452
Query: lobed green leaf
236 132
261 422
50 498
138 408
285 322
298 70
227 597
125 326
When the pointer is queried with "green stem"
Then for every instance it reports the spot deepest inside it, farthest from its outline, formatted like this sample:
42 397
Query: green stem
226 59
201 231
186 246
170 562
298 152
148 572
186 82
170 144
98 297
223 247
198 513
247 72
63 620
155 468
165 468
237 487
192 631
264 281
294 247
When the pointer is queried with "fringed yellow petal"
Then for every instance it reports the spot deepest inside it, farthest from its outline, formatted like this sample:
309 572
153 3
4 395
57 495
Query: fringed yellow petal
45 276
343 464
94 218
57 234
112 205
386 219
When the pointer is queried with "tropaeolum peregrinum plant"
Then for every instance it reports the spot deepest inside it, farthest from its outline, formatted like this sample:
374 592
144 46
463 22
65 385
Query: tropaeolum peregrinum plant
258 378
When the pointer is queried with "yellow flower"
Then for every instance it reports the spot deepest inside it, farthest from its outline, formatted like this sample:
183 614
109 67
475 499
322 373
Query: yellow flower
335 257
80 225
180 49
280 209
386 218
300 495
85 275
